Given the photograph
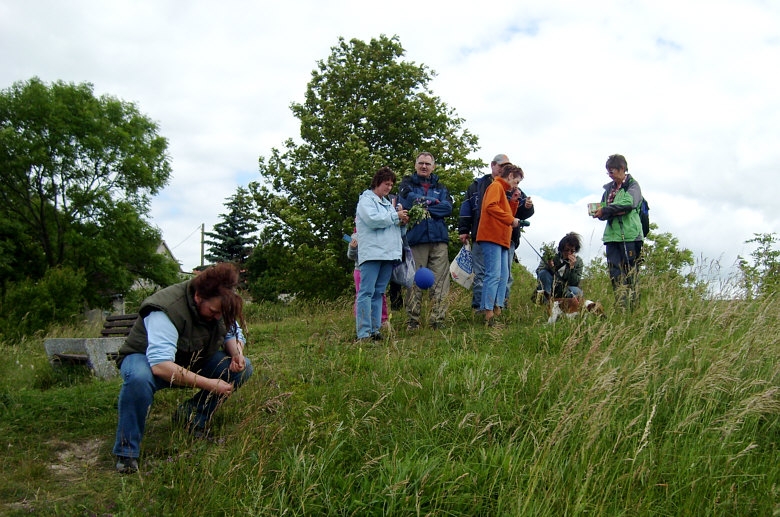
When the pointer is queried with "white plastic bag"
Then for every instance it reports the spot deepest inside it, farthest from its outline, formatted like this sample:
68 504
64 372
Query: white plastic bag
462 268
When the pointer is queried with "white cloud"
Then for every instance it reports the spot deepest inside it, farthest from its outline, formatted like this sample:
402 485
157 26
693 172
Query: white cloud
686 91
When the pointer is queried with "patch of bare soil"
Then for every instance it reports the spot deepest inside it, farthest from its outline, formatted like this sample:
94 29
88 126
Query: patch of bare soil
73 460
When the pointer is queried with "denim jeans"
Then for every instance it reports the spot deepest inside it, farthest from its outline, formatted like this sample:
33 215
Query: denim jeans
478 265
140 385
510 259
546 280
495 275
356 276
374 276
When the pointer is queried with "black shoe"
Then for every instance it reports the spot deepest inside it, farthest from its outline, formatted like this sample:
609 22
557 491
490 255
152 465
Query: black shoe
377 336
126 465
438 325
413 325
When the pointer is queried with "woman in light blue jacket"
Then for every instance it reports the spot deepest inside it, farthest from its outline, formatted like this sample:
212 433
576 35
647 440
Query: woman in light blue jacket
379 225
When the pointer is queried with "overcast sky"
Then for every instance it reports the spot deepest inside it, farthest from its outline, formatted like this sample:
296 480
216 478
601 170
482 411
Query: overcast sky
687 91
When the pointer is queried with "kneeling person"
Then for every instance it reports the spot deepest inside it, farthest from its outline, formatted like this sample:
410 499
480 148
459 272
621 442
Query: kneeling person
185 335
560 277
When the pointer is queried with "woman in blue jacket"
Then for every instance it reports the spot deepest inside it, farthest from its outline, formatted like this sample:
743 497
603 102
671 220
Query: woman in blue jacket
379 225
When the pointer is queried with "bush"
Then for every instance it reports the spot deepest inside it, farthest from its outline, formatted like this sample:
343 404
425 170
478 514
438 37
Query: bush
136 296
761 276
33 305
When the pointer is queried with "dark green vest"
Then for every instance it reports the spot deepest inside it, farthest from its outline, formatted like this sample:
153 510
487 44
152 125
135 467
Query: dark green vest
197 337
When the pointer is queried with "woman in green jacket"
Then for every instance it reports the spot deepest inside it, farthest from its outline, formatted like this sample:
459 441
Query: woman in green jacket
623 233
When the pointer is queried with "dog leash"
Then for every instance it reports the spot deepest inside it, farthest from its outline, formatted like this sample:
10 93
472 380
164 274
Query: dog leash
532 246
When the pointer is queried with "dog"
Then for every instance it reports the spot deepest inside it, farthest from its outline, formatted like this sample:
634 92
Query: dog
571 307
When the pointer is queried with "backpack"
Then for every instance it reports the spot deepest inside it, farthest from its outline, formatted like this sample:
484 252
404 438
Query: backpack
644 216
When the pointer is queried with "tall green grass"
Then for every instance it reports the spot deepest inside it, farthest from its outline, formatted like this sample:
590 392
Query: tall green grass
670 410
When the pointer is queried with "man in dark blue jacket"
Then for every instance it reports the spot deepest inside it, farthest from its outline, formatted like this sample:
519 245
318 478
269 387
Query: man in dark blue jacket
468 224
428 238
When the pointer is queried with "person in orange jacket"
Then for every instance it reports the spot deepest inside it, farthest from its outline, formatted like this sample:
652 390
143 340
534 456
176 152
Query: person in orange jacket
497 219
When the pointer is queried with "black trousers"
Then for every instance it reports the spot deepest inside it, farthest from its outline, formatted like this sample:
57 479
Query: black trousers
623 263
396 296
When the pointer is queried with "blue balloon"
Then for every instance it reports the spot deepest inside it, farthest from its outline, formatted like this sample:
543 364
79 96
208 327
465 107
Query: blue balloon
424 278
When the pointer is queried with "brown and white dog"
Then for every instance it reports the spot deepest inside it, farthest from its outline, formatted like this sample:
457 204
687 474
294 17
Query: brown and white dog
571 307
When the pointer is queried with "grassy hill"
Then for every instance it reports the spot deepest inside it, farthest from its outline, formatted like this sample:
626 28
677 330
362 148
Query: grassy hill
672 410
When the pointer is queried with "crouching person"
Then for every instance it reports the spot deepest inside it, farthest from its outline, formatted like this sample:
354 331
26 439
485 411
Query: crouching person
560 277
186 335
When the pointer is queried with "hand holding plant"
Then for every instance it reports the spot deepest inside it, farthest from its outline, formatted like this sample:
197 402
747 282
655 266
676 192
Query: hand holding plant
417 213
548 251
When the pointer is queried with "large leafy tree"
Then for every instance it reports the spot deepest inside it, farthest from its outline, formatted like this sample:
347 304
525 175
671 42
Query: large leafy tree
233 237
76 175
365 107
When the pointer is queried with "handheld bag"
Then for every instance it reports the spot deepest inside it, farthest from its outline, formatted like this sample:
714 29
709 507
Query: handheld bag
403 273
462 268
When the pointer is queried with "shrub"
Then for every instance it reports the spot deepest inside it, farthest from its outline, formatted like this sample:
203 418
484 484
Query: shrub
32 305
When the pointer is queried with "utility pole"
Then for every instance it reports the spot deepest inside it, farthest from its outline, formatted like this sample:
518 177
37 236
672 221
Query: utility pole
202 237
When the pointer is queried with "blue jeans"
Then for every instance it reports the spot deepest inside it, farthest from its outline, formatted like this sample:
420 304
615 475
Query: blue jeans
510 259
140 385
496 260
374 276
478 265
546 280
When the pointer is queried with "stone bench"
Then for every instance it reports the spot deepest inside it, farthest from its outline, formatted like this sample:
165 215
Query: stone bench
97 353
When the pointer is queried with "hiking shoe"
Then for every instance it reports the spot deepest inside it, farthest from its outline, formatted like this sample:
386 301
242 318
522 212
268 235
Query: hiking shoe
413 325
438 325
126 465
377 336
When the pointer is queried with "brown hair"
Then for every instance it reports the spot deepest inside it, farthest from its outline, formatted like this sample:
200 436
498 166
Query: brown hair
617 161
382 175
220 281
511 170
570 240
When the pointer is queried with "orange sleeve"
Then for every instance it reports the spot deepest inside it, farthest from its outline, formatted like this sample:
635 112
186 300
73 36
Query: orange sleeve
497 205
